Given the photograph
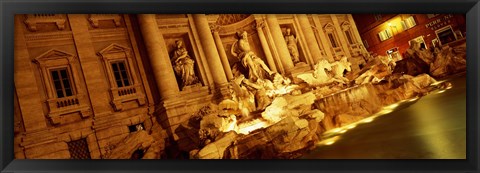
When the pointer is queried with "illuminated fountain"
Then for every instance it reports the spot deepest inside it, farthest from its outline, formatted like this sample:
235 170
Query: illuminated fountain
268 116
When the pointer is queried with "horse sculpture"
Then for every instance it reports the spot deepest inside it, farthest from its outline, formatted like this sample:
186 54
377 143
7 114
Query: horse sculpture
319 76
339 68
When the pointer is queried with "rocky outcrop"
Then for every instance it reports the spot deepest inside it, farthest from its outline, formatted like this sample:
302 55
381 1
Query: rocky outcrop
295 126
216 149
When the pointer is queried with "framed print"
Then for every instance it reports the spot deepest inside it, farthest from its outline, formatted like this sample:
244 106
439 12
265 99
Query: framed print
211 86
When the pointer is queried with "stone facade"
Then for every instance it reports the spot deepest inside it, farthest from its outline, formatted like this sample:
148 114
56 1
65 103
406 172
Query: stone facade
98 78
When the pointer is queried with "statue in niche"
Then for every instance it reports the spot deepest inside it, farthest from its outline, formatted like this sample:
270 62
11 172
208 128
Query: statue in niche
183 64
257 69
292 41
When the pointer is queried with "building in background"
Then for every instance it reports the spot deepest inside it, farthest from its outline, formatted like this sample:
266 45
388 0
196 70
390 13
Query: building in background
389 34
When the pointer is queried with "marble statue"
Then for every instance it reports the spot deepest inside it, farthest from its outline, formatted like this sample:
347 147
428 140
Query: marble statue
240 93
257 69
292 41
183 64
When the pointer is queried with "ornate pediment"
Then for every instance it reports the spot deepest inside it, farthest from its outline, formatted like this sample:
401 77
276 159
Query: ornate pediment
345 25
114 49
329 27
53 54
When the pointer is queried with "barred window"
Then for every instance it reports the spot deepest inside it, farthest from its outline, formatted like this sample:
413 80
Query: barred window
79 149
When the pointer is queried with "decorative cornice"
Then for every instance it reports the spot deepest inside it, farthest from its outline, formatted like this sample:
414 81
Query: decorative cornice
95 18
33 19
329 27
53 54
49 36
345 25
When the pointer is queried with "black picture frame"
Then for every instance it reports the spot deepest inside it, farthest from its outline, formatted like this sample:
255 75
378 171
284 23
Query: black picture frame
9 8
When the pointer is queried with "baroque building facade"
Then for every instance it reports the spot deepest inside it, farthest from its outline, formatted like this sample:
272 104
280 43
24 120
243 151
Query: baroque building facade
84 82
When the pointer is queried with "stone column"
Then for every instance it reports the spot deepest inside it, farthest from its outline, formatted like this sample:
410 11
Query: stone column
29 99
208 45
343 41
279 40
263 40
222 53
323 38
273 50
158 55
355 31
309 37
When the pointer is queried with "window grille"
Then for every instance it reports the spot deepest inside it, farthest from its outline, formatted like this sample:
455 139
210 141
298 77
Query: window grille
79 149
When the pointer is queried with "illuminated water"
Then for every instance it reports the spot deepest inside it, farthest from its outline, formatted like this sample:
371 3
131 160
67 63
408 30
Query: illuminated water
433 127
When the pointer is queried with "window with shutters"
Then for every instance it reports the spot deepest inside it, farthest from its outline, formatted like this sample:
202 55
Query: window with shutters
408 23
385 35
